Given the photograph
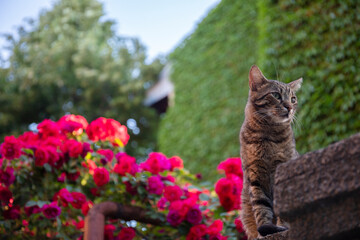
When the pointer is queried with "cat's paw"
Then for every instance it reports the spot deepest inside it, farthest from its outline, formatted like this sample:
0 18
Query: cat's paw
267 229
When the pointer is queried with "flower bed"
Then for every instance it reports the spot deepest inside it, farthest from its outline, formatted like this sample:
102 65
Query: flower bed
51 178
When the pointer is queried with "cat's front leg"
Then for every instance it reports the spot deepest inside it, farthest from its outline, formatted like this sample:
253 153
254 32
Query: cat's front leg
262 204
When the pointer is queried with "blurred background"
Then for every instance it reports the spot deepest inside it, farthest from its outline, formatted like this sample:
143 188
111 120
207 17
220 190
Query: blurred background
176 73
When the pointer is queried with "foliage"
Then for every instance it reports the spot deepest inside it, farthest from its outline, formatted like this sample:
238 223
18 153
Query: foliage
49 180
318 41
210 74
70 60
287 39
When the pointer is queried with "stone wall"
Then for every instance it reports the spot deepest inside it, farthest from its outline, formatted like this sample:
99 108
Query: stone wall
319 193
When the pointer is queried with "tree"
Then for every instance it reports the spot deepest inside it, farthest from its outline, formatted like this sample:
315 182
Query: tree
69 60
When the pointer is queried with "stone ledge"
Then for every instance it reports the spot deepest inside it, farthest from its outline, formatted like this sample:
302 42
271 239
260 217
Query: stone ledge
319 193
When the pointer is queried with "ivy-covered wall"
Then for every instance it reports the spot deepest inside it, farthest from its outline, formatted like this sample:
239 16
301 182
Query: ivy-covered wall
210 75
320 41
314 39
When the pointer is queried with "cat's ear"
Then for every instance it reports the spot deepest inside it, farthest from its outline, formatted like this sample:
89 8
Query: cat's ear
256 78
295 85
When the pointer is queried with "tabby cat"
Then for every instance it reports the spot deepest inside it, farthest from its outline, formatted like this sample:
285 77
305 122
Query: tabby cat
266 140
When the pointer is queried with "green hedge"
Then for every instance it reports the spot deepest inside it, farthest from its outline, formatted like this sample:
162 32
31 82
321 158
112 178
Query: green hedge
319 41
313 39
210 74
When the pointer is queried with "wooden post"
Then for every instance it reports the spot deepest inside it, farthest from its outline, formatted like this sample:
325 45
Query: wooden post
95 219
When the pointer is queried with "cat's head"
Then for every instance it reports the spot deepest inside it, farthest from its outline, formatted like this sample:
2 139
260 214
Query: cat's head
273 101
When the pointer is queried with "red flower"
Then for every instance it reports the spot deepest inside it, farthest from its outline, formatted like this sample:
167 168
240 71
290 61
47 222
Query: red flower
48 128
231 166
156 163
72 124
73 148
239 226
51 210
181 206
127 234
176 162
101 176
62 177
41 156
28 139
11 148
12 213
73 176
161 204
103 129
229 191
196 232
216 227
109 232
194 215
155 185
126 164
173 193
86 207
79 199
53 156
7 177
80 224
174 217
32 210
107 154
65 196
5 194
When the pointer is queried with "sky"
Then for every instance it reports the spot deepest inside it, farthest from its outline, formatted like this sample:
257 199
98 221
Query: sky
160 25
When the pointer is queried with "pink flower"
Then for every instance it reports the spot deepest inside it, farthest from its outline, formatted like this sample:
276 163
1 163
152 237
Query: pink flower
51 210
231 166
156 163
194 215
101 176
173 193
79 199
176 162
48 128
155 185
10 148
127 234
7 177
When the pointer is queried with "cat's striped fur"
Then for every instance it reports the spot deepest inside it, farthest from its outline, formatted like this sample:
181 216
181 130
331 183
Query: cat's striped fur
266 140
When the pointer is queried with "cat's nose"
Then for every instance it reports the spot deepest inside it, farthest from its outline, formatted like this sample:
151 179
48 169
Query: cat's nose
287 106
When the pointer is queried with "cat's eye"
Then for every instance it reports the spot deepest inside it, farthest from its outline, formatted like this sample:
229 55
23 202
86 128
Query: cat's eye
277 95
293 99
